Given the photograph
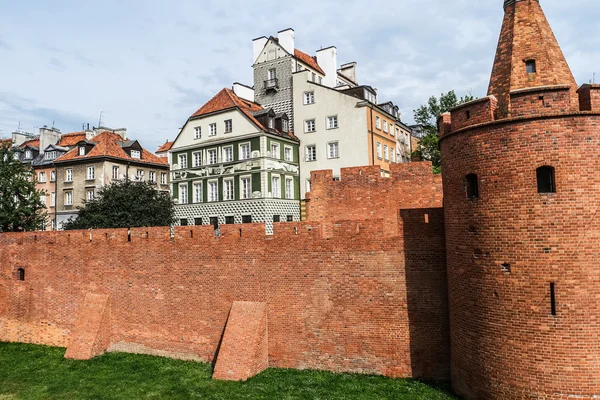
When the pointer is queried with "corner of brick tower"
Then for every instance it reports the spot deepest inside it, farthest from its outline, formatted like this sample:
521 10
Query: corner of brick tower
526 36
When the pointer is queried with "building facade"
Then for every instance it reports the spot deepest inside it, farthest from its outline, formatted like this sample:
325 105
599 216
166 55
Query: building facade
235 162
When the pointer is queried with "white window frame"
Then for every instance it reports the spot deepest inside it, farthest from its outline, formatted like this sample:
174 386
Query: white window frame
225 158
228 192
288 150
183 161
163 178
289 191
115 173
209 152
82 150
183 199
241 154
43 199
385 126
197 159
140 174
386 154
52 176
393 155
272 74
377 122
42 177
213 129
213 194
309 98
152 177
53 199
69 175
307 185
332 122
91 173
197 193
198 132
246 195
228 125
136 154
69 198
276 186
308 153
275 153
310 126
379 150
333 145
90 195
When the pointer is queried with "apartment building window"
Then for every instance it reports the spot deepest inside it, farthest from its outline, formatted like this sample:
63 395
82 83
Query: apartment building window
228 154
311 153
115 173
377 122
198 159
52 176
314 77
43 199
140 175
246 219
91 173
228 126
333 150
69 175
332 122
90 195
245 151
310 126
50 155
276 187
163 178
379 152
246 188
198 132
183 193
386 155
228 189
42 177
212 156
393 154
53 199
136 154
82 150
152 177
213 129
272 74
275 150
271 123
213 191
287 154
285 125
68 198
289 188
183 163
309 98
198 221
198 192
320 80
385 126
53 225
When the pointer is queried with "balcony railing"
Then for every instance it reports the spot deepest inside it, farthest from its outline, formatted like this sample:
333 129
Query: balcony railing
272 84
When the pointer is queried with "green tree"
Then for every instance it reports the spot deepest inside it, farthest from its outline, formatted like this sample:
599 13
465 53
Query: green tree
426 116
21 207
125 204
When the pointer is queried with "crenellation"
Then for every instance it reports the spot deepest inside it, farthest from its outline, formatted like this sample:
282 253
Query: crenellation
474 112
589 97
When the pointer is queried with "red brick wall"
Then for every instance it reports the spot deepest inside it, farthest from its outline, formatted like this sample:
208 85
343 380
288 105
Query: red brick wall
475 112
541 101
345 296
505 342
589 97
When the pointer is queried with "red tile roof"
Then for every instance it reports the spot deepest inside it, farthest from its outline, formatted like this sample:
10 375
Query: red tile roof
71 139
107 145
308 60
165 147
33 143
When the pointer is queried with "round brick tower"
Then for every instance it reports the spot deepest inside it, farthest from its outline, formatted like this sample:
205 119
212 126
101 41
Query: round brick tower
521 181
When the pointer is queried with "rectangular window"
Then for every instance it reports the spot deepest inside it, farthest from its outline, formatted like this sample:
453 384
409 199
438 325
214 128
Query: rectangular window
229 220
386 155
272 74
246 219
308 185
245 151
385 126
228 189
183 193
228 126
91 173
314 77
69 175
309 98
68 198
276 218
290 218
228 154
285 125
90 195
246 189
311 153
140 175
136 154
42 177
198 221
275 150
82 150
333 150
393 154
183 161
213 129
115 173
310 126
198 193
287 154
276 187
53 225
52 176
212 156
198 132
377 122
53 199
213 191
183 222
379 152
152 177
289 188
332 122
43 199
163 178
197 159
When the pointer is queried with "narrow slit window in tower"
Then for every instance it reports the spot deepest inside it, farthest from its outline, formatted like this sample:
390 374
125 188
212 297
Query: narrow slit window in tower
545 180
472 186
21 274
553 299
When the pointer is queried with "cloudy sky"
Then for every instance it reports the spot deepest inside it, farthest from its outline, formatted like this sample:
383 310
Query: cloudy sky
149 64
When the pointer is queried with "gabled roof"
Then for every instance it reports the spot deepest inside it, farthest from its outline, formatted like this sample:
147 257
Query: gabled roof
107 144
165 147
31 143
71 139
308 60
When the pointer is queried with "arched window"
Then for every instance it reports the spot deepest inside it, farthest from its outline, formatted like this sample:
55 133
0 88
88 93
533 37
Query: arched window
545 180
21 274
472 186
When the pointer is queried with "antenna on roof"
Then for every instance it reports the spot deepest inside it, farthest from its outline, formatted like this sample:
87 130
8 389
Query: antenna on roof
100 119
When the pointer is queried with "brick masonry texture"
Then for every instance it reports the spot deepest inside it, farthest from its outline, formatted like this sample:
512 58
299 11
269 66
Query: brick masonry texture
91 333
340 295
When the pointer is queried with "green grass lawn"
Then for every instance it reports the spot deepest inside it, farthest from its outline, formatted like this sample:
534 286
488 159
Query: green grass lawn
38 372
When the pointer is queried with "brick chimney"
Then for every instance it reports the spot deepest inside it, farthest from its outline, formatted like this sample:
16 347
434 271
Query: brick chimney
528 55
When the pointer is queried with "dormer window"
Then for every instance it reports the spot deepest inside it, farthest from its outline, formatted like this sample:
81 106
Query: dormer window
82 150
135 154
28 154
530 66
50 155
271 123
285 125
16 156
